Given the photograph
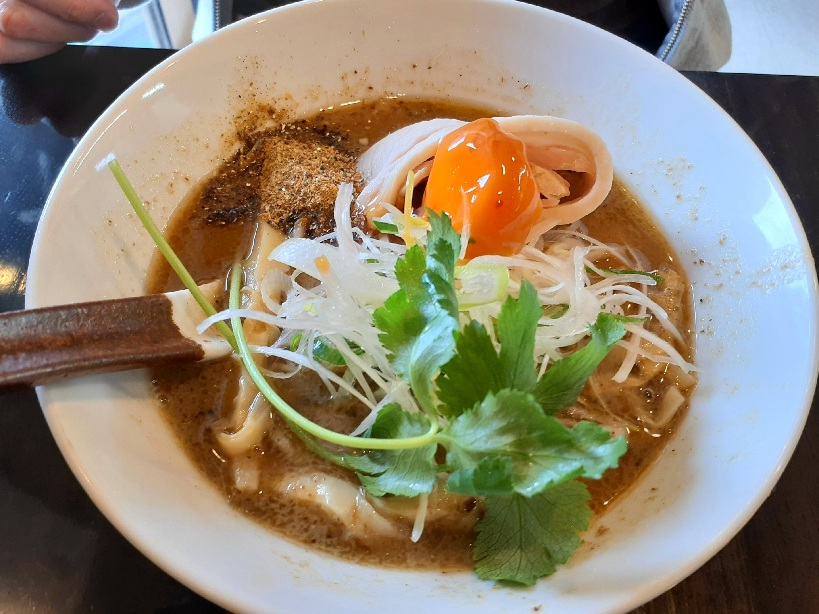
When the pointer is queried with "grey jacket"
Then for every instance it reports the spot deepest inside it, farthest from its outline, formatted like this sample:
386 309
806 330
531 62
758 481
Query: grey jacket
699 36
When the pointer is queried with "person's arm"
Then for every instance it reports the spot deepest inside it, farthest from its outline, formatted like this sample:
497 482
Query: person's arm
33 28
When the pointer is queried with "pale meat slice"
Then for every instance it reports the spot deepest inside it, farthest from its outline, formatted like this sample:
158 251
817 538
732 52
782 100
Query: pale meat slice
384 166
562 145
552 144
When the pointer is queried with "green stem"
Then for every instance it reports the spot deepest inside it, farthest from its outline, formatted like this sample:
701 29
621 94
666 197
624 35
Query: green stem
319 450
290 414
166 250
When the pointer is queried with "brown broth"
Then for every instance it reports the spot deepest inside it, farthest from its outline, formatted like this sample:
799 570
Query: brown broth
619 220
192 398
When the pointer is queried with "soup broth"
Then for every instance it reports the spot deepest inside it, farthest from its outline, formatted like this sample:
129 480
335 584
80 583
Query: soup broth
211 230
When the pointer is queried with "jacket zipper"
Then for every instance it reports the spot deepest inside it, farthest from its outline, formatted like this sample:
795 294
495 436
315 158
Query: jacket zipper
675 33
217 15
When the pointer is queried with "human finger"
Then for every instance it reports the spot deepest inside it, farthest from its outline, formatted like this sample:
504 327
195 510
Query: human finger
98 14
14 50
20 21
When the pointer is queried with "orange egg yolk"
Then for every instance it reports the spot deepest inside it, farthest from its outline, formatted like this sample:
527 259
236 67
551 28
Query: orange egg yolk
480 173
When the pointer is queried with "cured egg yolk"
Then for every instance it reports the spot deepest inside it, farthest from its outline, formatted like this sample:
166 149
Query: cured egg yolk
480 175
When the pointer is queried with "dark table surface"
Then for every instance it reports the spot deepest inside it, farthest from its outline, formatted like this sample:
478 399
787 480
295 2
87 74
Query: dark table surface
59 554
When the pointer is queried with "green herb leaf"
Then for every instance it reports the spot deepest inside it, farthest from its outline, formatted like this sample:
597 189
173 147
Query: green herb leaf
564 380
419 322
471 374
521 539
443 247
507 444
385 227
477 369
327 352
650 274
629 319
516 327
398 472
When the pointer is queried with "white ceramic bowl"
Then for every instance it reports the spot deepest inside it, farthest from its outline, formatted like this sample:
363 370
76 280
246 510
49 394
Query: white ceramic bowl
710 189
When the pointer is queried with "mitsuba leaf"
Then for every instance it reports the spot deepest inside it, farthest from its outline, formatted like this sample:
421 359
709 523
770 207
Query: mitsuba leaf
407 472
471 374
507 444
419 322
520 539
443 247
516 327
478 369
563 381
490 475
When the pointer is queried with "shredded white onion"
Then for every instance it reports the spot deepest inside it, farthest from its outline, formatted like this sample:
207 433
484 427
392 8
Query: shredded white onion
335 311
420 517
